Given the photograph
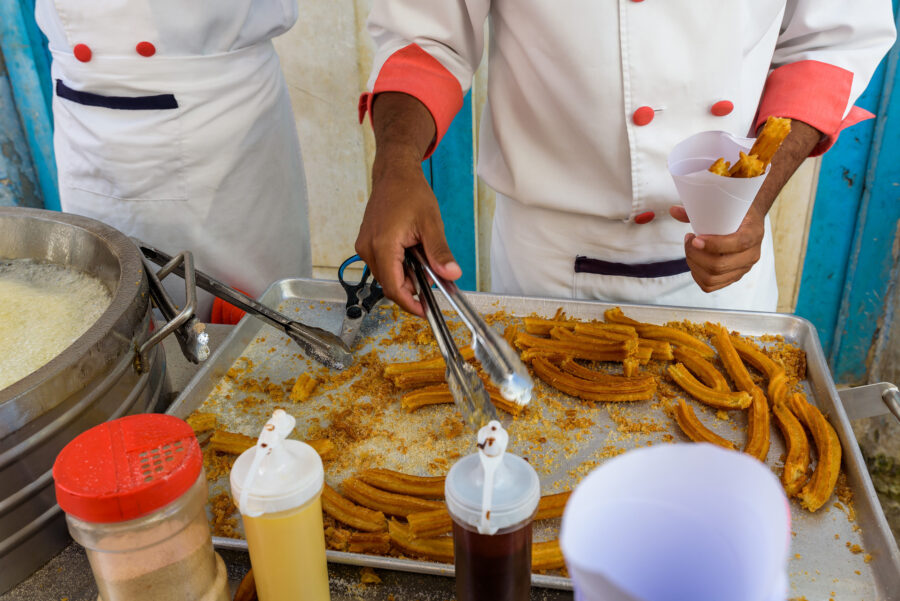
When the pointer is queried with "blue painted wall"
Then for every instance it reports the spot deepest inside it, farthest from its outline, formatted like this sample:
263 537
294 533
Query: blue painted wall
18 182
851 253
27 81
451 173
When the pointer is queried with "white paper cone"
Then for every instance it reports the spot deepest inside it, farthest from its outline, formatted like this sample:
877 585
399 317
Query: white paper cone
714 204
675 522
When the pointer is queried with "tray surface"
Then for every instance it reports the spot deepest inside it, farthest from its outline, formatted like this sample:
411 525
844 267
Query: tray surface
563 438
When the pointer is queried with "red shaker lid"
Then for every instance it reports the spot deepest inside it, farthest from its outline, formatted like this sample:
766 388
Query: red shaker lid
127 468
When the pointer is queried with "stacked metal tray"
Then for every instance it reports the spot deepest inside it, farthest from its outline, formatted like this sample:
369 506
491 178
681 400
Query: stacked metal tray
832 555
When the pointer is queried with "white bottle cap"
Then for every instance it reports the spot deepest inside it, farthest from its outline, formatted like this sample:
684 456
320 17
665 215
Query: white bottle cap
513 497
276 474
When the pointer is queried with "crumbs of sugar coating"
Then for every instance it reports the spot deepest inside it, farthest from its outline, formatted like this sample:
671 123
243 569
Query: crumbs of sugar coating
626 424
224 520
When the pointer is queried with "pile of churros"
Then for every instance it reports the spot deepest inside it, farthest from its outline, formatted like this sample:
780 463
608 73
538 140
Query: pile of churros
419 523
552 347
385 512
755 162
422 383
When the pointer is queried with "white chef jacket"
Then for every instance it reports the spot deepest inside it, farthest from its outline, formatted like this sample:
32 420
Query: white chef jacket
173 124
587 98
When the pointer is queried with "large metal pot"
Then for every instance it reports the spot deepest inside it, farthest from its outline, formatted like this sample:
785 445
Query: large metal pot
95 379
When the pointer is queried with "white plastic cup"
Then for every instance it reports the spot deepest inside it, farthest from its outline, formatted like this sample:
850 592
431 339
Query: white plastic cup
675 522
716 205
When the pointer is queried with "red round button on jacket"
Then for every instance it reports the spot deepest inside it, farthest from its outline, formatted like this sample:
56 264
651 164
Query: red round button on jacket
82 52
643 115
644 218
721 108
145 49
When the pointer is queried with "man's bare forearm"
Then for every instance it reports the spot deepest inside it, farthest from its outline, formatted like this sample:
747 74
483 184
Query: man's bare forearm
404 129
793 151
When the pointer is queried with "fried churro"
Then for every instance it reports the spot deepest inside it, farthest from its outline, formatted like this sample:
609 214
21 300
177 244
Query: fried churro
427 487
606 331
440 394
428 524
660 349
348 512
438 548
542 327
701 368
760 361
715 398
552 506
732 361
770 138
231 443
643 353
591 390
694 429
796 463
385 502
547 556
429 395
747 165
753 163
571 366
758 426
778 388
821 484
393 369
720 167
303 388
544 556
201 422
413 379
664 333
592 350
373 543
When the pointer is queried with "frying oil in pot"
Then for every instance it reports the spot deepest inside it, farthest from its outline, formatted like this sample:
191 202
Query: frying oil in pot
43 309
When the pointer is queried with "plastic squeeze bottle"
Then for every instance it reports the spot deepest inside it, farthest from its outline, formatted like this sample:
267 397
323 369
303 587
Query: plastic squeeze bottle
492 497
277 486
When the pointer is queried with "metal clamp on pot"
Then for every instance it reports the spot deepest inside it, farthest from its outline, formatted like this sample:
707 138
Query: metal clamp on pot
318 344
190 331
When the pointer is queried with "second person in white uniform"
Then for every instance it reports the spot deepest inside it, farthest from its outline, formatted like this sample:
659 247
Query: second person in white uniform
173 124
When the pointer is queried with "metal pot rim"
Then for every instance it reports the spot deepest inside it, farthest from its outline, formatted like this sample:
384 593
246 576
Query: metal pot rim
131 274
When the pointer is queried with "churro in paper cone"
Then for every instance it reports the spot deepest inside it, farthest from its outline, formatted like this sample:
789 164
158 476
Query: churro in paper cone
715 204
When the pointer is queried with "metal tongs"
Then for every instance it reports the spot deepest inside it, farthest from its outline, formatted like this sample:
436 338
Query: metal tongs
318 344
497 358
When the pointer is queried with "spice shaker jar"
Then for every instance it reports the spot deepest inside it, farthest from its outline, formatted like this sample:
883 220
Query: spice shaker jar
134 493
492 497
277 486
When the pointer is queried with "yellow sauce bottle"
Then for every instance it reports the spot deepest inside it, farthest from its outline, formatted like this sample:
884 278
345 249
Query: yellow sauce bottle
277 486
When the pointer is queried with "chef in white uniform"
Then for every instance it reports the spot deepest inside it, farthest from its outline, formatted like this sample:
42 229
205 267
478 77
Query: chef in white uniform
174 125
585 101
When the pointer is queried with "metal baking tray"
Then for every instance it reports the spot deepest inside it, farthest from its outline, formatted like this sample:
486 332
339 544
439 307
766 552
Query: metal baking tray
822 565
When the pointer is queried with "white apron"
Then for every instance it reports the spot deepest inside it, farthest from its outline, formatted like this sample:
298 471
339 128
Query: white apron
183 151
530 257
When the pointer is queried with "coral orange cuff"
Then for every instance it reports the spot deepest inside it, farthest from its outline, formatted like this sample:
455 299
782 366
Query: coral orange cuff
814 92
413 71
